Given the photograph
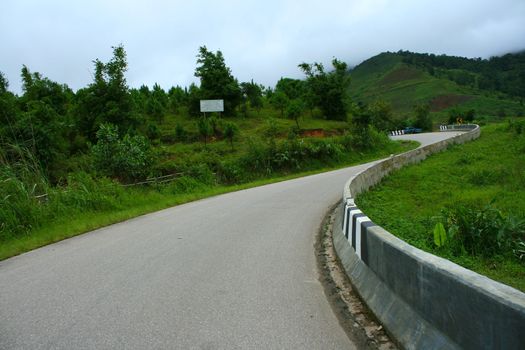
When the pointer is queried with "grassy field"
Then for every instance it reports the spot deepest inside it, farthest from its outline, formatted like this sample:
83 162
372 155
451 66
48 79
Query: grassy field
489 172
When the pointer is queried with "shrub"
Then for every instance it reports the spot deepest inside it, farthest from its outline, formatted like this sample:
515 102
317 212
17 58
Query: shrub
205 129
230 131
231 173
201 173
517 126
484 232
124 158
180 133
153 131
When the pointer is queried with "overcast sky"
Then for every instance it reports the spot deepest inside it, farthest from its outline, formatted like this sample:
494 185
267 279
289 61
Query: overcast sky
260 40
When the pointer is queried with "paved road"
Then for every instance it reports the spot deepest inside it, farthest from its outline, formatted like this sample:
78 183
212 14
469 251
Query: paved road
236 271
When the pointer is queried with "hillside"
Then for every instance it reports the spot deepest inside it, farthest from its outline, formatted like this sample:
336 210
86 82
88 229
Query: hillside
405 79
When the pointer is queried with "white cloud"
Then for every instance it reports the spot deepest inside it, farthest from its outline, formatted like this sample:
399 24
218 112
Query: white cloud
260 40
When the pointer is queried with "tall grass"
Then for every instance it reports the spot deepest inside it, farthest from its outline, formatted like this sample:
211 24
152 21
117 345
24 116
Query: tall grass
21 180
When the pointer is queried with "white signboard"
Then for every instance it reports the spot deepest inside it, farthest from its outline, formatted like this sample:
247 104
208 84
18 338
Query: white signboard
212 105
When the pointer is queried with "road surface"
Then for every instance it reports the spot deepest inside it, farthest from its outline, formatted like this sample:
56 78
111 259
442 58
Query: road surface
236 271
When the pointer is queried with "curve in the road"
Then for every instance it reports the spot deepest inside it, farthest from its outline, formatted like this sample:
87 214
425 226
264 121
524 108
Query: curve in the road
424 301
236 271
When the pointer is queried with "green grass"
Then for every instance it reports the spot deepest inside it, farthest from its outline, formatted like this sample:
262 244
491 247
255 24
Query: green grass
385 77
490 169
65 214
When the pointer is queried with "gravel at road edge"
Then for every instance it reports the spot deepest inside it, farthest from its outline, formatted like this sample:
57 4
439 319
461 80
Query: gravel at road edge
354 317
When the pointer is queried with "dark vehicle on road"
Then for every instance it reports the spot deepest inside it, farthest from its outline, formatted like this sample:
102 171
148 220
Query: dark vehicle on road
412 130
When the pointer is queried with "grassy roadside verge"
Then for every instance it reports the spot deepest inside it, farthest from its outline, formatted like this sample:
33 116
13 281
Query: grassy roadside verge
477 190
131 202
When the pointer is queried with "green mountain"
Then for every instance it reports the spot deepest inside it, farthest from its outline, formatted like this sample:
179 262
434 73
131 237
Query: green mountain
492 87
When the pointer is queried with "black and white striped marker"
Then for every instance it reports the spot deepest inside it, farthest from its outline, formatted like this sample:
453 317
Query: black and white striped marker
355 225
397 132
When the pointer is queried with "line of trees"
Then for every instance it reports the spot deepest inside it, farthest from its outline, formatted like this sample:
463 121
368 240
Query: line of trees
109 119
505 73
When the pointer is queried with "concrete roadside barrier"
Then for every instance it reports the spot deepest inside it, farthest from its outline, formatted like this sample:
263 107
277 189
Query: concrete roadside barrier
424 302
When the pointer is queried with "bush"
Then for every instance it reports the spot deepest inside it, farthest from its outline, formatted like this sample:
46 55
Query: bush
517 126
231 173
200 172
481 232
180 133
152 131
124 158
230 131
291 154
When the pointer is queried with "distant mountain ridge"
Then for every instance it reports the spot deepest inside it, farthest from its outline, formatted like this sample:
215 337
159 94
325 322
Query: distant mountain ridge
404 79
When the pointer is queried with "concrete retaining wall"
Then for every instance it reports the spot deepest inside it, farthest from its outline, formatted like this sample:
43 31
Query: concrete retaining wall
424 301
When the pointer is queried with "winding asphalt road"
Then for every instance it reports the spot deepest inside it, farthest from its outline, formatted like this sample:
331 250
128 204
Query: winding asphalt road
236 271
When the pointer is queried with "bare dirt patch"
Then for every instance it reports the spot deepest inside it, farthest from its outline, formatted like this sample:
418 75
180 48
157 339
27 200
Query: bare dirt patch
313 133
439 103
401 74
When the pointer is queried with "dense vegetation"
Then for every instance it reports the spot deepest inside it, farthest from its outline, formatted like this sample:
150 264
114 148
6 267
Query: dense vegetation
466 204
78 160
505 73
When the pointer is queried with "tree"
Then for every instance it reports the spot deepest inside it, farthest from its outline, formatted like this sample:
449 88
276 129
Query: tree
457 116
216 79
194 96
230 131
329 89
381 116
205 129
8 113
214 123
294 111
4 83
360 122
180 132
158 103
42 126
292 88
252 93
107 99
470 115
280 101
177 97
423 120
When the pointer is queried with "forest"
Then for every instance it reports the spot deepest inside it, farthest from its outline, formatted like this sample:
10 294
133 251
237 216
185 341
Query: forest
500 73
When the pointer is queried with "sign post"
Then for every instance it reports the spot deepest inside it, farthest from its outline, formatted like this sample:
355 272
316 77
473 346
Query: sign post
208 106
